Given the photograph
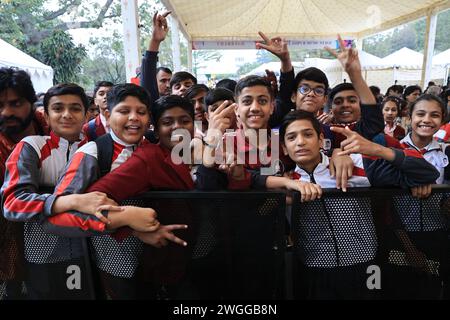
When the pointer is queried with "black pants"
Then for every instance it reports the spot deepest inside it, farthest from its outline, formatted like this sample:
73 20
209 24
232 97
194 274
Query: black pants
51 281
338 283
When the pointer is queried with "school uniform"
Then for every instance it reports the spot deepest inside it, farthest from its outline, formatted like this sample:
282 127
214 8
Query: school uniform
36 162
95 128
117 260
336 247
11 233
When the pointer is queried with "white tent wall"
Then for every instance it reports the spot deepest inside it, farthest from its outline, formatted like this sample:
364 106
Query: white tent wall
41 75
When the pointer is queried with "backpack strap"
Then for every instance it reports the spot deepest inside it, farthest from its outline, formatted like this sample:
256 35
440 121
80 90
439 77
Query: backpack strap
92 134
105 150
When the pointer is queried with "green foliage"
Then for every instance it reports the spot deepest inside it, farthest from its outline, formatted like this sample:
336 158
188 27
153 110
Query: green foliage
106 63
411 35
33 27
247 67
60 52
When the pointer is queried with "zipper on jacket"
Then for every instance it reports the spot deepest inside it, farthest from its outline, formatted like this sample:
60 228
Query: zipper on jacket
68 152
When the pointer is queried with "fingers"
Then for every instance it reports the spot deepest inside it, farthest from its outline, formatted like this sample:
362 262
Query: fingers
414 192
172 227
171 237
309 192
109 207
227 109
101 217
344 180
165 14
264 37
260 45
332 51
175 239
220 108
332 169
345 131
341 42
421 192
338 173
153 226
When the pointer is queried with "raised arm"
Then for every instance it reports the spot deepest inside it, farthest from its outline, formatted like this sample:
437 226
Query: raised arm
349 59
148 66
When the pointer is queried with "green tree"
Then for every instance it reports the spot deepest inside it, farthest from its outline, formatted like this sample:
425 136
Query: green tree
107 61
30 26
59 51
411 35
200 56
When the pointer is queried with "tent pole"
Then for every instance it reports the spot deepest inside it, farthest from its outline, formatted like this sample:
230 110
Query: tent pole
130 37
176 57
430 36
189 56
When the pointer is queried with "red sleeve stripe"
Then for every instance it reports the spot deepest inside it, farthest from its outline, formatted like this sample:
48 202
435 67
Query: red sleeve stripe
360 172
71 172
70 220
11 202
117 151
46 150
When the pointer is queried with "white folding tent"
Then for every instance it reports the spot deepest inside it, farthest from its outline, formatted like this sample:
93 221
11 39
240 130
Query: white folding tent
233 22
41 74
442 59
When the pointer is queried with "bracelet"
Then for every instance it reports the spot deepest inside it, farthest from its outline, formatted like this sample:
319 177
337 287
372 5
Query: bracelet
209 145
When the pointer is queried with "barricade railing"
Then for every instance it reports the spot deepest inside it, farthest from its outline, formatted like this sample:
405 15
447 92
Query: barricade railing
237 245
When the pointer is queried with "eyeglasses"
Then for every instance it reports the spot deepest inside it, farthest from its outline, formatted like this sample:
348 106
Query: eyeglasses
319 91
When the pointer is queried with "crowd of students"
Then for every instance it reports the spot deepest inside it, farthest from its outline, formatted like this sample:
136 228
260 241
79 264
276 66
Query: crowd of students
88 163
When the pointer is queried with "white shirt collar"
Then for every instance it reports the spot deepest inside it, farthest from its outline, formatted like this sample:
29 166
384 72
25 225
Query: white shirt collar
433 145
119 141
104 123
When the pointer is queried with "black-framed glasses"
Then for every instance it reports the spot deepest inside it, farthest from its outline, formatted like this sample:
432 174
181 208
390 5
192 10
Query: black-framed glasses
304 89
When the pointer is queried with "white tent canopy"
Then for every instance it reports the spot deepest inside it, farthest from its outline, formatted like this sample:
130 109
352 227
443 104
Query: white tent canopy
442 58
405 57
41 74
236 19
234 24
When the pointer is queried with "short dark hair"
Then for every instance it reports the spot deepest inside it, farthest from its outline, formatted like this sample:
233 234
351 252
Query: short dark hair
396 88
298 115
217 94
311 74
411 89
64 89
163 69
120 92
229 84
375 90
340 87
195 90
102 84
430 97
252 81
168 102
19 81
445 94
181 76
